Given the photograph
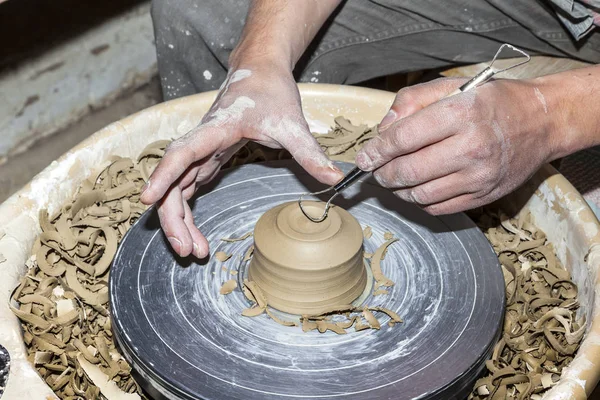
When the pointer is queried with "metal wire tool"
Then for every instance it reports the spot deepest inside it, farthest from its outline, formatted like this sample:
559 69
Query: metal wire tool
474 82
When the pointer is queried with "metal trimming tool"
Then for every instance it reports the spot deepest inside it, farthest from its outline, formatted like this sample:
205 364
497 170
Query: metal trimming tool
354 175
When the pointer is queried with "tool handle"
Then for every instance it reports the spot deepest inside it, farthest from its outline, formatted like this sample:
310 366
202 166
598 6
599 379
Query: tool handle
349 179
357 173
477 80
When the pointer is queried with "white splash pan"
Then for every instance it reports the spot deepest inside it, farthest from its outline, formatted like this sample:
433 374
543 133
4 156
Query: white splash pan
556 206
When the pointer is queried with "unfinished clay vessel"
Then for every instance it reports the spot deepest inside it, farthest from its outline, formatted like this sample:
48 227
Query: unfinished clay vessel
306 267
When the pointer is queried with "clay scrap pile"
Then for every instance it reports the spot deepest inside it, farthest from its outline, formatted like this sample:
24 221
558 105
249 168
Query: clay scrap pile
541 329
343 141
63 305
63 299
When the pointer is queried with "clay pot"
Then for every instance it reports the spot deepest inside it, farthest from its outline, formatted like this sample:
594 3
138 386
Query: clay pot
306 267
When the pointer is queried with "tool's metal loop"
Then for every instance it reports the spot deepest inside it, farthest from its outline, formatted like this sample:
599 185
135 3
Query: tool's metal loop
526 57
348 180
327 205
489 72
477 80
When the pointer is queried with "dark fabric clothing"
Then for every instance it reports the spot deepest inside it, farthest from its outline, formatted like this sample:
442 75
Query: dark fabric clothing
578 16
363 39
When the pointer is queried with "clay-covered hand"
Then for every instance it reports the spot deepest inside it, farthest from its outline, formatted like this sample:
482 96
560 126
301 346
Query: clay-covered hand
456 153
257 105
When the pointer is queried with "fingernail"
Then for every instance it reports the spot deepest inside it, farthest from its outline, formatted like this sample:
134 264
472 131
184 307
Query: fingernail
175 243
196 250
389 118
380 179
363 161
146 186
336 170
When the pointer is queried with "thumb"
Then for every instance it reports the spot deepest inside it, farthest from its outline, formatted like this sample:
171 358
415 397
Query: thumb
297 139
411 99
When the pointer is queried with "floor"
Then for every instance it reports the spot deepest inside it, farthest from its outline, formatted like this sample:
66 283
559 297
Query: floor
19 169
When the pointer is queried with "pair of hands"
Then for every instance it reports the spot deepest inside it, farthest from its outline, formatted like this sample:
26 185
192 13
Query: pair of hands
446 155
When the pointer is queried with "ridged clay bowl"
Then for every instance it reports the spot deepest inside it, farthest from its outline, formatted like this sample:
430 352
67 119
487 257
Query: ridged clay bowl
305 267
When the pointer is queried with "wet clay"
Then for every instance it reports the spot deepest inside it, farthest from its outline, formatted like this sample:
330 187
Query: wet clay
69 348
303 267
63 298
542 331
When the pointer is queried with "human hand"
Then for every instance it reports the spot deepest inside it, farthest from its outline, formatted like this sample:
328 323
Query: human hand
261 105
464 151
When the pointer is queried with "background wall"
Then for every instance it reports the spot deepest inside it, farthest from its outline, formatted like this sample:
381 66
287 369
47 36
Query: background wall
61 59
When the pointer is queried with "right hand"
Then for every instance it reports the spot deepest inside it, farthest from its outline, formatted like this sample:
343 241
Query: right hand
258 104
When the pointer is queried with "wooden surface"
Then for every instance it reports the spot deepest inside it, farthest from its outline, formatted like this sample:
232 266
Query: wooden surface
538 66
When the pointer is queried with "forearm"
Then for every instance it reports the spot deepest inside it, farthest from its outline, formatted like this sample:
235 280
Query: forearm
573 102
279 31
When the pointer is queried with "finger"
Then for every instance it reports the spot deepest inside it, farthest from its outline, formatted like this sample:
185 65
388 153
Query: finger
426 127
437 190
194 146
189 191
304 148
171 214
199 242
429 163
458 204
411 99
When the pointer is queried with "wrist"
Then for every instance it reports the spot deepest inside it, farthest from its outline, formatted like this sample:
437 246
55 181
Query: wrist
573 110
255 56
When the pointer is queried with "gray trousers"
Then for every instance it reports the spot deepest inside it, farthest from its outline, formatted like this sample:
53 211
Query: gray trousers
363 39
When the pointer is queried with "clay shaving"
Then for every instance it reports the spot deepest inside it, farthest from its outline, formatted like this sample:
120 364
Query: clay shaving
228 287
380 278
541 330
231 240
62 301
222 256
527 361
343 141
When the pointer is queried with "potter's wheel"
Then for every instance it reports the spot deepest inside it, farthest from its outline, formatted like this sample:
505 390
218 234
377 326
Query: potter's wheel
187 341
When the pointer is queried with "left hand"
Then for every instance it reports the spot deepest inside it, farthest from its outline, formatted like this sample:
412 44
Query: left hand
457 153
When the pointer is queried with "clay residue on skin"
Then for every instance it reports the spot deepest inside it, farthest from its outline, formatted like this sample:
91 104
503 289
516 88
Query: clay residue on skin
229 114
296 134
232 77
540 96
